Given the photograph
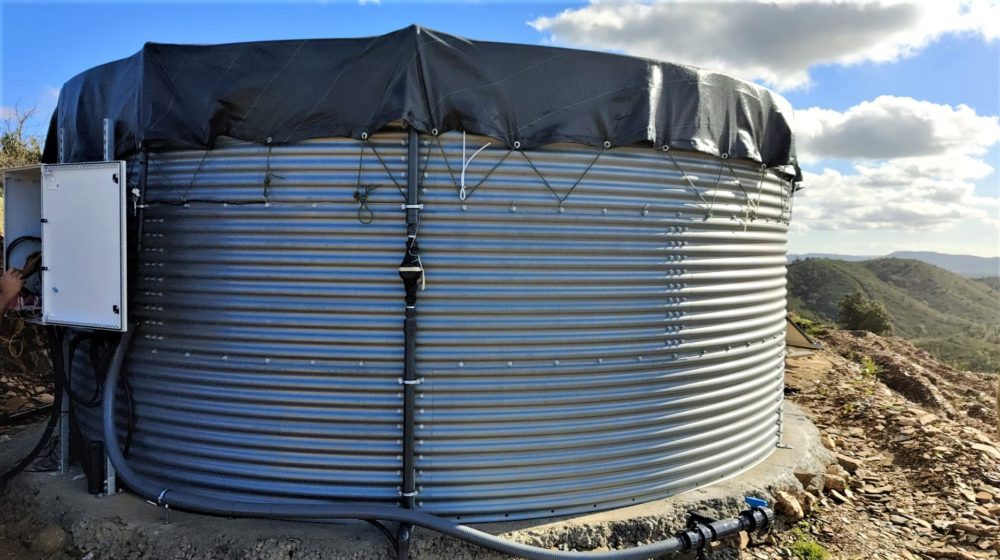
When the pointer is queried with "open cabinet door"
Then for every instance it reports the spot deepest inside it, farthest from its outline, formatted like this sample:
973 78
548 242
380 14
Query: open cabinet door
83 245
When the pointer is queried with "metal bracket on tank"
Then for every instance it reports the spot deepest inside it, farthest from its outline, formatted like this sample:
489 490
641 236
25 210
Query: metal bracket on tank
159 503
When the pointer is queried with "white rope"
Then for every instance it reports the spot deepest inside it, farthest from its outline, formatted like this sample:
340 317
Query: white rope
465 164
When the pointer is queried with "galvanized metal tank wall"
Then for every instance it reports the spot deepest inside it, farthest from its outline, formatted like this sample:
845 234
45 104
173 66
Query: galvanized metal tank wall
269 344
620 346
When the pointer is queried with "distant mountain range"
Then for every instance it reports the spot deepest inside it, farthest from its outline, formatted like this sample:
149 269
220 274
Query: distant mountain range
956 318
964 265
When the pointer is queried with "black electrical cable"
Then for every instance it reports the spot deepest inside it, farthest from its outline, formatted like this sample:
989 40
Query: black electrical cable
15 243
389 535
55 343
99 366
94 399
695 537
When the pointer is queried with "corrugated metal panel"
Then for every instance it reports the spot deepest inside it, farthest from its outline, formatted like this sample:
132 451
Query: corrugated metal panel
620 347
616 348
266 362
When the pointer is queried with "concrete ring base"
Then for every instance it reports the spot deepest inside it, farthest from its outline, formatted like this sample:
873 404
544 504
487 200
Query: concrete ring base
125 526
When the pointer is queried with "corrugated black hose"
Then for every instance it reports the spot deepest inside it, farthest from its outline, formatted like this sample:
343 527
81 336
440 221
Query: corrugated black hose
695 537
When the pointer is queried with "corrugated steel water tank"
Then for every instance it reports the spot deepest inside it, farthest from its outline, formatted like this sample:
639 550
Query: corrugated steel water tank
620 346
602 322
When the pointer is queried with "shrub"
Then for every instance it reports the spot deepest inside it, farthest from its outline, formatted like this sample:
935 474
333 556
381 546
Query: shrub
17 147
859 313
808 550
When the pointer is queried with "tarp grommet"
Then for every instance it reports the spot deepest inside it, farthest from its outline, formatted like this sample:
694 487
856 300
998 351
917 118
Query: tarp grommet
364 135
665 148
434 132
517 144
607 144
724 156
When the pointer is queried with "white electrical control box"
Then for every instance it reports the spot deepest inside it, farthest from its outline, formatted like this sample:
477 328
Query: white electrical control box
75 215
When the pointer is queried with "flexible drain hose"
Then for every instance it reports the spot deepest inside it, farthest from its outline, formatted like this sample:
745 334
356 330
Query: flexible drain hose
696 537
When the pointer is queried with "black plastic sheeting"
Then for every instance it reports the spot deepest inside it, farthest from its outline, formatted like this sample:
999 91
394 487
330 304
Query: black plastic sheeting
276 92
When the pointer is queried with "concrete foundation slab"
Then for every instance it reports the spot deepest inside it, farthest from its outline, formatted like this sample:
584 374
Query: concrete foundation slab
125 526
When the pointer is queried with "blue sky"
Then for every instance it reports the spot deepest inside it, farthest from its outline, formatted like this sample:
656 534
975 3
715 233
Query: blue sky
928 78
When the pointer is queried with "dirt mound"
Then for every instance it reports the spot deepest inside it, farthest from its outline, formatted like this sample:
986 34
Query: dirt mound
918 376
918 446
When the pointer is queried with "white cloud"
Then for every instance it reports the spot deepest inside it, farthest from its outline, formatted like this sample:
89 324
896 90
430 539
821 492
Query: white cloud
775 42
893 127
913 166
886 197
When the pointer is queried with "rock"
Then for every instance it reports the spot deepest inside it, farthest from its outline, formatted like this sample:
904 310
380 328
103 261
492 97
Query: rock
987 449
898 519
15 403
840 498
974 529
743 540
942 525
948 553
925 419
49 540
828 442
805 477
850 464
837 470
817 485
808 502
835 482
967 494
984 497
787 505
39 389
45 398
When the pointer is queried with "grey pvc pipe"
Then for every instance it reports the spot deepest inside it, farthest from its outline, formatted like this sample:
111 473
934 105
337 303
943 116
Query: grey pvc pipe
162 495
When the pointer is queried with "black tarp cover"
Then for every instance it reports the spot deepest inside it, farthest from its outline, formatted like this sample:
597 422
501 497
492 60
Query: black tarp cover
185 96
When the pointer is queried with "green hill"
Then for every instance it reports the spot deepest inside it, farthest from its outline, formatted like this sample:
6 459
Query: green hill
991 281
955 318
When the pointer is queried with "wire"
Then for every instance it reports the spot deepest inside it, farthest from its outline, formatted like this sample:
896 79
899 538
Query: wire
94 399
15 243
386 167
55 342
15 344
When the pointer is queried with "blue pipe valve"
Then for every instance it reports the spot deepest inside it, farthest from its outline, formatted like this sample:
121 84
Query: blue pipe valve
755 502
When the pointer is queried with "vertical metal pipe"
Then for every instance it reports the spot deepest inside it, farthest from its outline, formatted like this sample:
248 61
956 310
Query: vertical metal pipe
410 271
64 401
109 139
110 479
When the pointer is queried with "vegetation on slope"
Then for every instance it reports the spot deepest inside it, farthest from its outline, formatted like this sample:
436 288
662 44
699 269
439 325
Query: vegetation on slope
955 318
17 147
991 281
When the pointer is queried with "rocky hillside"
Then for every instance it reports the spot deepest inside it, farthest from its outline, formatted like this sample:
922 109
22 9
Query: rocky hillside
956 318
964 265
918 450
